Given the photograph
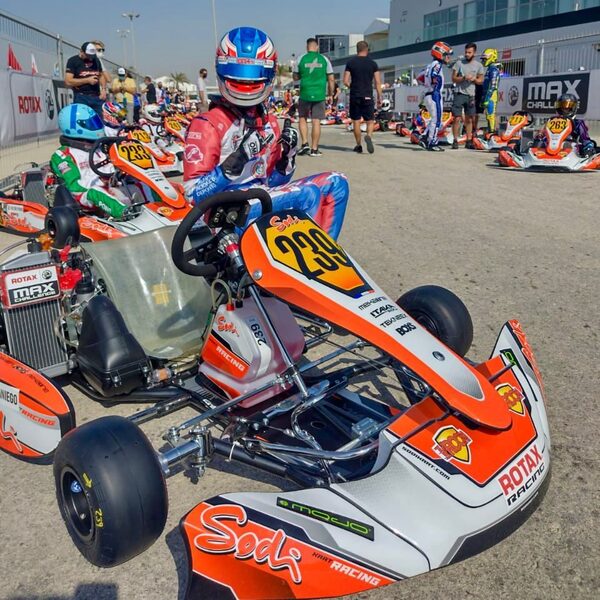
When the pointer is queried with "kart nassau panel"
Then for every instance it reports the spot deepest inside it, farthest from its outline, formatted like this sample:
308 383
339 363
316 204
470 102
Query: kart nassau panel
34 413
430 500
289 255
539 159
22 216
133 158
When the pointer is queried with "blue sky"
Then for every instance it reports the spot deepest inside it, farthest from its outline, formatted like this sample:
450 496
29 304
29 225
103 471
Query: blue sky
177 35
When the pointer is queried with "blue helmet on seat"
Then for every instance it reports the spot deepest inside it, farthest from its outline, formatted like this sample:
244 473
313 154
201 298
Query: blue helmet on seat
81 122
246 65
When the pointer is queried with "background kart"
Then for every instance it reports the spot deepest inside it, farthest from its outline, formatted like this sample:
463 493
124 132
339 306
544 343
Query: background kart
507 139
555 152
38 204
432 441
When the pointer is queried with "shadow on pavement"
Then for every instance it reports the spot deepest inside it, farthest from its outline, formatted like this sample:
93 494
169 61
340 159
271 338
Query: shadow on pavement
84 591
177 549
340 148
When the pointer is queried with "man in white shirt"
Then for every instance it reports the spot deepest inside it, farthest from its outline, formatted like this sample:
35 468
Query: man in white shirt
202 96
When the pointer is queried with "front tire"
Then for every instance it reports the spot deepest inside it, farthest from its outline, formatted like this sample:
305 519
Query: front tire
110 490
442 313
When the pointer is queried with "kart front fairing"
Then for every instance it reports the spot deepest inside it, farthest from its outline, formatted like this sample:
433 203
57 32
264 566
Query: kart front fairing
454 473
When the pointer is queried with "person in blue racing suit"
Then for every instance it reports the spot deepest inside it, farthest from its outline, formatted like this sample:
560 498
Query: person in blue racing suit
238 144
432 77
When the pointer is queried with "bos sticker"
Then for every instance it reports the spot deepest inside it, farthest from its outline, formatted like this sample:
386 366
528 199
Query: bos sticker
135 153
301 245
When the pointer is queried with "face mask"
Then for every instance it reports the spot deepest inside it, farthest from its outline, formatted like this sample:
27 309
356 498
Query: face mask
100 53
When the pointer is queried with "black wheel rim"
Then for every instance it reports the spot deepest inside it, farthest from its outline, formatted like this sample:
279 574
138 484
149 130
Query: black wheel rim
427 322
76 505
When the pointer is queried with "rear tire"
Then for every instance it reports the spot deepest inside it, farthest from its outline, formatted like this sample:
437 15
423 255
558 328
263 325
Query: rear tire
110 489
442 313
62 224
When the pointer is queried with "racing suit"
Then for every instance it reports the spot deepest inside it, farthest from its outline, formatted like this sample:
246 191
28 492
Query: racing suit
70 164
432 77
490 94
227 149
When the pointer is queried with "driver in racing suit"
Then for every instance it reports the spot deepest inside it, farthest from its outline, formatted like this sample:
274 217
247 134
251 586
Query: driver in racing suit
237 144
491 81
81 127
433 78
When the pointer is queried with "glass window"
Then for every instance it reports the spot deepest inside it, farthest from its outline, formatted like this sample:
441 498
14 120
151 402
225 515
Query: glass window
440 23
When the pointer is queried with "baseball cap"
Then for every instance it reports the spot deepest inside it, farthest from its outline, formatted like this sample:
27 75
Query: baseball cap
121 71
88 48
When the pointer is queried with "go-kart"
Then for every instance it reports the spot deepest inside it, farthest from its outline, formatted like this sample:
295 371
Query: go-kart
508 137
123 164
169 157
389 487
551 151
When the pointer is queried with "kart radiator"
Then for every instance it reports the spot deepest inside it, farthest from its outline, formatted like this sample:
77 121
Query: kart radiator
30 299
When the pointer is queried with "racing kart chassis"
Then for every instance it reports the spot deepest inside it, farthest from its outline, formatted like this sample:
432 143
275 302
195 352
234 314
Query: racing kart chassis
465 453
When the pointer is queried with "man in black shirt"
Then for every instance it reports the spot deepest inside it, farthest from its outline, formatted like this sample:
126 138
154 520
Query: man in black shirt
83 73
360 73
150 91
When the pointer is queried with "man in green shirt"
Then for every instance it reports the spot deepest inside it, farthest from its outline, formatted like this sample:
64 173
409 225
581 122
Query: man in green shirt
315 74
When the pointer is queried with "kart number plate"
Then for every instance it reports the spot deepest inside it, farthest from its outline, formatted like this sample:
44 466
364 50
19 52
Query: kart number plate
141 136
445 116
301 245
425 114
135 153
173 124
516 119
557 125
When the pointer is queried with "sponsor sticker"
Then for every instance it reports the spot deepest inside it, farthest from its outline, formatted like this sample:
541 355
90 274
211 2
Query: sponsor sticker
32 285
9 397
452 444
514 398
518 479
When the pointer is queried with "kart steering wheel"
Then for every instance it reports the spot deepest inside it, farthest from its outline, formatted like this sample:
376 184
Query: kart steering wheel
102 145
183 259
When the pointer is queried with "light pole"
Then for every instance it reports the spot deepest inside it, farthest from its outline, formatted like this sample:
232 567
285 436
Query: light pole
214 16
123 34
131 16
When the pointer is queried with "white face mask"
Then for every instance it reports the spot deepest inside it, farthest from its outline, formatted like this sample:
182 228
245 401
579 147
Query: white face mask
100 53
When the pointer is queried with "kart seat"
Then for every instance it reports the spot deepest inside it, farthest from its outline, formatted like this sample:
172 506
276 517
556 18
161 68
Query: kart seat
166 310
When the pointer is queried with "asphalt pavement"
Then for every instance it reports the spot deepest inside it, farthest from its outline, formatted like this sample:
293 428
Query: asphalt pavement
511 245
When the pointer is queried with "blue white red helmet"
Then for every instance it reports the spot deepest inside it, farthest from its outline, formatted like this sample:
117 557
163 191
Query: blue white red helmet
113 114
81 122
246 65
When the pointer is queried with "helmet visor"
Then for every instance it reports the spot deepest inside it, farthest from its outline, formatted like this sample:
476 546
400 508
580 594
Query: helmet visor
566 106
93 123
249 69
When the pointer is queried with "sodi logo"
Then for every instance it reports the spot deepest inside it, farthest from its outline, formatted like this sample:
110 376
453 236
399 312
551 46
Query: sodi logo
541 93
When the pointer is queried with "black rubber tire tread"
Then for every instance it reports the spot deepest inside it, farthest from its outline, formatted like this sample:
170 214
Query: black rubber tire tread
127 486
442 313
62 223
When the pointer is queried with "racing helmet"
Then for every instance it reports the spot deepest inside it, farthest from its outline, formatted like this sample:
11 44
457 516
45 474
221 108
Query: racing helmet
81 122
152 113
567 105
386 104
113 114
246 64
341 106
440 50
489 57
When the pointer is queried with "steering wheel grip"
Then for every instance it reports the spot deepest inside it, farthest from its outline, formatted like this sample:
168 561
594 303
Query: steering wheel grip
104 141
183 259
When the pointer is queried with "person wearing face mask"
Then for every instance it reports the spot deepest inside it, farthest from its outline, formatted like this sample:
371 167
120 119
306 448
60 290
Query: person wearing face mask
123 87
84 74
466 74
105 77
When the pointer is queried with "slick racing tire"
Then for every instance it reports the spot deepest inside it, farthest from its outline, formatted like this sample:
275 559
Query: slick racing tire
442 313
62 224
110 490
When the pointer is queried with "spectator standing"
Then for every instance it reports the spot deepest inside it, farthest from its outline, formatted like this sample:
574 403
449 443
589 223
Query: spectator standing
150 90
123 87
361 74
202 95
84 74
315 74
160 93
105 77
467 73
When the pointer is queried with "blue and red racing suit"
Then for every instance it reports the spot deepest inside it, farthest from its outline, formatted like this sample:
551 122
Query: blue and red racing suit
227 149
432 77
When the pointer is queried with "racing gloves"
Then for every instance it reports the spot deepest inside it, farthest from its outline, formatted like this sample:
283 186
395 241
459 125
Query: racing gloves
251 145
289 143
